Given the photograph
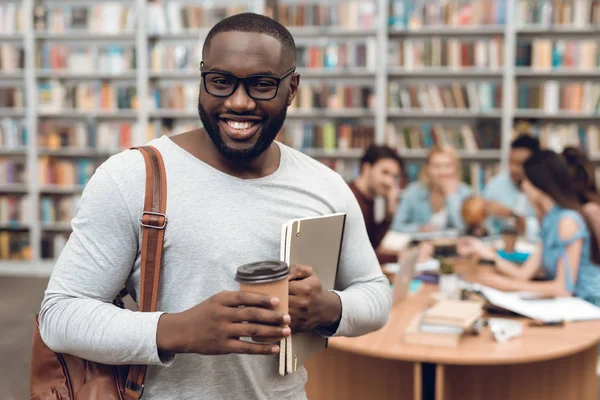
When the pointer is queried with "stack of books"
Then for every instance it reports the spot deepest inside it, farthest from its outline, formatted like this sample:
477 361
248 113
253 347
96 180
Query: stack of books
443 324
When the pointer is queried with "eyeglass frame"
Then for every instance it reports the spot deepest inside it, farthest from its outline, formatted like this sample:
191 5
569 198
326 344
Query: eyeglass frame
244 81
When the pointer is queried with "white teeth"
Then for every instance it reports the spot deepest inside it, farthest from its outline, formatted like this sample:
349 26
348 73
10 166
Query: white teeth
240 125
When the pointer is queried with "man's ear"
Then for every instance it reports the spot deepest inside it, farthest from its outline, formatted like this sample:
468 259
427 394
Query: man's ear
293 89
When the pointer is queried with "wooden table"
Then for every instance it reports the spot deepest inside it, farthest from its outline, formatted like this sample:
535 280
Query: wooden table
549 363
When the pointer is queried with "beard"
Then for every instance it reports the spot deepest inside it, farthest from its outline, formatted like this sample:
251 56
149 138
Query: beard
268 131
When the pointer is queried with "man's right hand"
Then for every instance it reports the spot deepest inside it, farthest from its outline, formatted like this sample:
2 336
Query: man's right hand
216 325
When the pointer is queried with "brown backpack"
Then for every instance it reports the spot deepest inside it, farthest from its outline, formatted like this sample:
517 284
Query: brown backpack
57 376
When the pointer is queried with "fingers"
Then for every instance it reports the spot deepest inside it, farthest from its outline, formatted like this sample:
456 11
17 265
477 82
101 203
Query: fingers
298 303
300 272
257 331
248 299
241 347
258 316
299 288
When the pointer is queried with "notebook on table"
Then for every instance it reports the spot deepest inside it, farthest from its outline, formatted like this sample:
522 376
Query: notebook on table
316 242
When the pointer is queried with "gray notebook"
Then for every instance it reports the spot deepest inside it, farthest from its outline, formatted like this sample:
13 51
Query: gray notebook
316 242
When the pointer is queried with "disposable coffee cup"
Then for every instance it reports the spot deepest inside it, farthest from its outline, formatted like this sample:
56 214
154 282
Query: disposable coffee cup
266 277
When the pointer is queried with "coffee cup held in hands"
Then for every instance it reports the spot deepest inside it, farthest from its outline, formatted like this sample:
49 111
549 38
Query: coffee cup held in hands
266 277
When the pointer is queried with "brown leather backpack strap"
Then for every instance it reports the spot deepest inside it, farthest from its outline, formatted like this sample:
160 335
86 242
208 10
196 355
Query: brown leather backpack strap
153 221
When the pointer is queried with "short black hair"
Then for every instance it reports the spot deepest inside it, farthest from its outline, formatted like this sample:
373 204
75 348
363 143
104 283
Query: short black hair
526 141
375 153
255 23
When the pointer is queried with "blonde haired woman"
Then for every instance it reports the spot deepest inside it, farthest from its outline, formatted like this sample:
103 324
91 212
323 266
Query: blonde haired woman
434 202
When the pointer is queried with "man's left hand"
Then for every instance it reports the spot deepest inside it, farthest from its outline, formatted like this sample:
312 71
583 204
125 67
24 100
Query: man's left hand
309 305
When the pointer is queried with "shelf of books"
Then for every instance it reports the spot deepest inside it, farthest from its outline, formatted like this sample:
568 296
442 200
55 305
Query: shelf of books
446 62
102 76
333 117
557 74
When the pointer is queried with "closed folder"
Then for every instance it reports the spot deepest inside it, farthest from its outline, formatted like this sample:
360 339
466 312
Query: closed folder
315 242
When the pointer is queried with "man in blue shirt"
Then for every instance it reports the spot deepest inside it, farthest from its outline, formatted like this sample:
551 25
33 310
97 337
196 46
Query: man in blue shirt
504 198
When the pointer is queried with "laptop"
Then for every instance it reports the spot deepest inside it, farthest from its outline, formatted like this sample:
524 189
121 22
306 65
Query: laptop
404 276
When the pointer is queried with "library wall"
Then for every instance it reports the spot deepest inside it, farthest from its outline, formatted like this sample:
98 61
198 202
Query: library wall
80 81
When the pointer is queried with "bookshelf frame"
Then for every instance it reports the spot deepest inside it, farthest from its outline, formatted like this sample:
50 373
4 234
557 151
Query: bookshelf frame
380 77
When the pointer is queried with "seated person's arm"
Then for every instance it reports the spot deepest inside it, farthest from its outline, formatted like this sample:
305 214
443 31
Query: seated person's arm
524 272
454 203
562 284
470 246
403 220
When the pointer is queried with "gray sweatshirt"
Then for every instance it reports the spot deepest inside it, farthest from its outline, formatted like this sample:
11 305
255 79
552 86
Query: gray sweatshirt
217 222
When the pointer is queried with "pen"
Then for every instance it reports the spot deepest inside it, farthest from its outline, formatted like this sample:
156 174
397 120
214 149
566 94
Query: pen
537 323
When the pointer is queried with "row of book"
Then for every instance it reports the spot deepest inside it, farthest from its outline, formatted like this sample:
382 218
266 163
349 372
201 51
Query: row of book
14 246
410 14
328 135
12 97
334 96
169 56
174 96
559 136
475 174
13 210
472 96
176 17
444 52
55 96
554 96
331 54
574 13
103 136
108 17
355 14
546 54
12 17
12 58
13 133
101 59
360 53
12 172
459 136
61 172
52 244
59 209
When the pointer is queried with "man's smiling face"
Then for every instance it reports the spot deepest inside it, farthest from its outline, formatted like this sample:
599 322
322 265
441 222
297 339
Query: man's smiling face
241 127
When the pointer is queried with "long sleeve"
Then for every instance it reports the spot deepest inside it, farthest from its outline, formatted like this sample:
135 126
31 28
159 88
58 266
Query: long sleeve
404 220
454 205
77 315
364 291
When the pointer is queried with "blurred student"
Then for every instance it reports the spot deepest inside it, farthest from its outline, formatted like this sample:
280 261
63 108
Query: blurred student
504 198
380 171
582 172
434 202
567 250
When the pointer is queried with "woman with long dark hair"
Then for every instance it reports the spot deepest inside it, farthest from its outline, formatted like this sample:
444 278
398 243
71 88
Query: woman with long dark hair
582 172
567 246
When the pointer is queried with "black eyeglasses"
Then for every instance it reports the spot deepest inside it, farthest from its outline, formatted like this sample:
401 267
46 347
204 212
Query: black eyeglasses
258 87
